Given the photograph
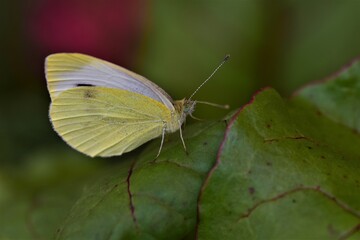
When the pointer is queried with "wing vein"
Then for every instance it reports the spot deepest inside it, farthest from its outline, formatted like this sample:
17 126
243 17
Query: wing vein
120 140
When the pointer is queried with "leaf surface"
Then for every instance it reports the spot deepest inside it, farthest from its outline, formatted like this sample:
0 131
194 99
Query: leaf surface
288 169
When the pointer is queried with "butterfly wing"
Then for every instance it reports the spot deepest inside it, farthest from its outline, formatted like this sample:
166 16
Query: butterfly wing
101 121
68 70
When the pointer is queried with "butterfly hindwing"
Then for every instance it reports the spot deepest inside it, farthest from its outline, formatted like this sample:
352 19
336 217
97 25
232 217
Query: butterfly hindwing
100 121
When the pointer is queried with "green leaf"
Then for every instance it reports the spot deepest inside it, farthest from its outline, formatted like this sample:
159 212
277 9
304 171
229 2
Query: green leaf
35 198
289 169
147 198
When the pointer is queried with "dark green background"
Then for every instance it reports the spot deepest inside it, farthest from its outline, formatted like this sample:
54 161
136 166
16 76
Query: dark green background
283 44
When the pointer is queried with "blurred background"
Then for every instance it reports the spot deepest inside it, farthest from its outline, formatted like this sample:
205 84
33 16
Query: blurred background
176 44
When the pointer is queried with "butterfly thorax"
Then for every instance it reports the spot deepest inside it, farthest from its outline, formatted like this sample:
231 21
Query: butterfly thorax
183 108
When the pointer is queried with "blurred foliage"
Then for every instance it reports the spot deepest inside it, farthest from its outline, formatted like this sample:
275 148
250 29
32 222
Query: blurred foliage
283 44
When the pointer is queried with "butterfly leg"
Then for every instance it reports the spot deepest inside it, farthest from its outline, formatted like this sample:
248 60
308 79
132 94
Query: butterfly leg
162 140
182 139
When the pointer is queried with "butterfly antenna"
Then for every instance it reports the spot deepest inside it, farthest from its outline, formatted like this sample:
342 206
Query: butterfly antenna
212 74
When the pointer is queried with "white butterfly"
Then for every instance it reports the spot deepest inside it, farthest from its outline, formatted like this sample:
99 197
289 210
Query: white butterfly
101 109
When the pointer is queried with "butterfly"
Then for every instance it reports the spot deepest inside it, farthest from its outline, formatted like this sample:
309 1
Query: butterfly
102 109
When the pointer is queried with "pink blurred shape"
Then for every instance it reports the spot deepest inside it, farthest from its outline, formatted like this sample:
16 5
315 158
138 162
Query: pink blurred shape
109 29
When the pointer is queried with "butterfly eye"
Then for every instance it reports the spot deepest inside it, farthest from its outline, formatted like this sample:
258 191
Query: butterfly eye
189 107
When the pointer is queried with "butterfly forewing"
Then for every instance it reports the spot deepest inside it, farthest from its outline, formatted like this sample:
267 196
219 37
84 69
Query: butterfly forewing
69 70
101 121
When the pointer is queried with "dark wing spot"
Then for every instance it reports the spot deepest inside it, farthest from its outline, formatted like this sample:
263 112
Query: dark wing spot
89 93
84 85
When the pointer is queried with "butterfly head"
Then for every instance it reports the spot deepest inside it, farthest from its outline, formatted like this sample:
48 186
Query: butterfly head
189 107
184 107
